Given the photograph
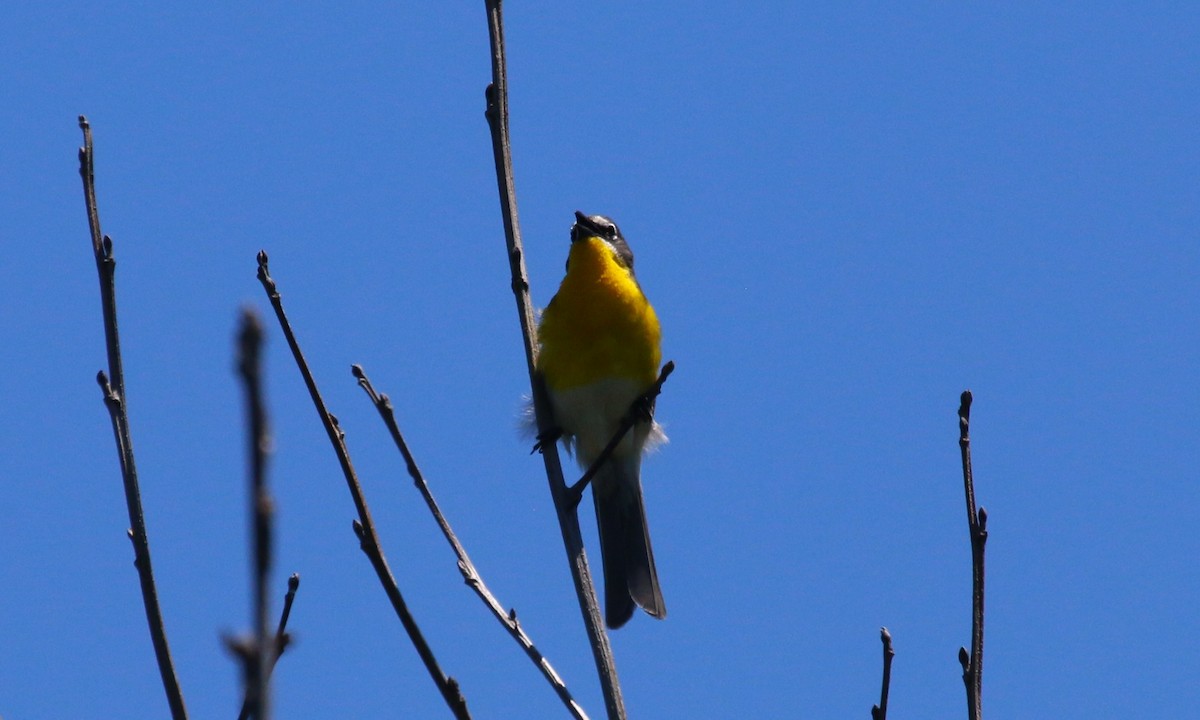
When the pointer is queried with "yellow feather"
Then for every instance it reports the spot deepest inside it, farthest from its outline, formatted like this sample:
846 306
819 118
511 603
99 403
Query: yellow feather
599 325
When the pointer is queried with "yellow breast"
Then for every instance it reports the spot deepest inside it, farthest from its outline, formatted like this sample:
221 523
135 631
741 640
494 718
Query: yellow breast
599 325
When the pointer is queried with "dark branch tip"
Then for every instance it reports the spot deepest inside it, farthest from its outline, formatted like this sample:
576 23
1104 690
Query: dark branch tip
264 272
964 659
107 244
358 530
357 371
250 339
294 582
982 513
83 122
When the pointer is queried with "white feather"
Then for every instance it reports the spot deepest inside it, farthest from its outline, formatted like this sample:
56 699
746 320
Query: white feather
589 416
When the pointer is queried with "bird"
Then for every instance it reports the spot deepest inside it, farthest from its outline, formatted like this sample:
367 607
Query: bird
599 348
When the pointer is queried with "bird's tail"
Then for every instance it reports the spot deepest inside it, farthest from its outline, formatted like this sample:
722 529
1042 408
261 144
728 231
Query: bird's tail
629 573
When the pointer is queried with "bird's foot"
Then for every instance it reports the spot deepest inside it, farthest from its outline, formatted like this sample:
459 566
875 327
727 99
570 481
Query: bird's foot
549 437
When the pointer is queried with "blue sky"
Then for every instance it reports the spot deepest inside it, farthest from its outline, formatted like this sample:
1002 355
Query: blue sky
844 216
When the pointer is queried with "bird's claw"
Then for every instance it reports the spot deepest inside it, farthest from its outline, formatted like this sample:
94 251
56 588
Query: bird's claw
642 410
549 437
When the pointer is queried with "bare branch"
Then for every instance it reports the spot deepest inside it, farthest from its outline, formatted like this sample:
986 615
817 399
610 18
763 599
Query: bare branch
364 527
568 520
281 636
470 574
260 655
114 400
972 663
282 639
879 712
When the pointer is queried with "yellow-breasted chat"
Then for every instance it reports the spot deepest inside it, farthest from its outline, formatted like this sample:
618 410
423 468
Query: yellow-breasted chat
598 353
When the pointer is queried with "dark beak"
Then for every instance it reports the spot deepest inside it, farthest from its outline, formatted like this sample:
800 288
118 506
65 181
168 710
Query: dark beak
584 222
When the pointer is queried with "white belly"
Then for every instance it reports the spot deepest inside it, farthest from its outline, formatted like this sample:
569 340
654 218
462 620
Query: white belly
592 413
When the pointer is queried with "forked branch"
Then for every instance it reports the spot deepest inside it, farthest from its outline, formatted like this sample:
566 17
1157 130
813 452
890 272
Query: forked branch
282 639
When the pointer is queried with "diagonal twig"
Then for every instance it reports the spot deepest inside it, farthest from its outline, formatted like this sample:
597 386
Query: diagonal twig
114 400
470 574
638 408
282 639
568 520
364 526
879 712
972 663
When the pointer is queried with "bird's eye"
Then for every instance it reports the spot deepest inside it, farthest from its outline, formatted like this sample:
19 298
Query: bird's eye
610 230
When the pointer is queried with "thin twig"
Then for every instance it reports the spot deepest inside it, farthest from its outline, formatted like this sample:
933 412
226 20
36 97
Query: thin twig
364 527
261 656
281 636
114 400
879 712
636 411
282 639
469 572
972 663
568 520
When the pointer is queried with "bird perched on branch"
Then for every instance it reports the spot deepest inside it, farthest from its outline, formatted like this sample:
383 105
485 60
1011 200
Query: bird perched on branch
599 353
